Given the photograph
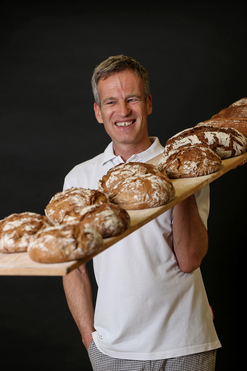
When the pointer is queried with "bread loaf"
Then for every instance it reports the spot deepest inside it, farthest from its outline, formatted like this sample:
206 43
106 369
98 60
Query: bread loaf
239 125
189 161
108 219
137 185
17 230
235 116
237 110
63 205
226 142
65 243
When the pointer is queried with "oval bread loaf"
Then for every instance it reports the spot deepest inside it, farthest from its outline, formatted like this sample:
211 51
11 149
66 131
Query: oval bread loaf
226 142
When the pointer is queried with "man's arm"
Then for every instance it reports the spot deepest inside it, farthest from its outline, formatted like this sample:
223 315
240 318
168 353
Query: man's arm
78 292
190 237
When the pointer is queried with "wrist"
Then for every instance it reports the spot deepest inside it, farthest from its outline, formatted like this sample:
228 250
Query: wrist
86 339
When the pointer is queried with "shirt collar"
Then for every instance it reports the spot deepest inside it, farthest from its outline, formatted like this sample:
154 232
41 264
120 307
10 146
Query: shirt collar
154 150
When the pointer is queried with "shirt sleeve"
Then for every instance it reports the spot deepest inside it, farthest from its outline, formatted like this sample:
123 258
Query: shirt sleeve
203 203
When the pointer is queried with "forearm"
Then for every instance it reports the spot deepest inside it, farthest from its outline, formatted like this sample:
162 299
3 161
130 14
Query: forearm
190 238
78 292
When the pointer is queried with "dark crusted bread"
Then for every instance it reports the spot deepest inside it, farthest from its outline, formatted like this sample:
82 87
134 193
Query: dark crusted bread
17 230
190 161
234 116
240 125
136 185
226 142
65 243
64 204
237 110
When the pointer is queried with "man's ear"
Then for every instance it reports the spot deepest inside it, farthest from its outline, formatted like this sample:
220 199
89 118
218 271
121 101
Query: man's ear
97 112
149 104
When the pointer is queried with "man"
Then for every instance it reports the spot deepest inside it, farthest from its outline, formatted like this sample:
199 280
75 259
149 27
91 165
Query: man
151 311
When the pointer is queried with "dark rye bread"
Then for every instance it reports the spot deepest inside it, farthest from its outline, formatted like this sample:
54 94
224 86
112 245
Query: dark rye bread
190 161
240 125
226 142
234 116
237 110
136 185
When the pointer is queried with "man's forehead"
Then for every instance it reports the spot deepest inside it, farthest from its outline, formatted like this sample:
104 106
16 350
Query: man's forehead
122 80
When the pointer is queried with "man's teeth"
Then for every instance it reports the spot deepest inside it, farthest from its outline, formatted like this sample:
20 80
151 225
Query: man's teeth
124 123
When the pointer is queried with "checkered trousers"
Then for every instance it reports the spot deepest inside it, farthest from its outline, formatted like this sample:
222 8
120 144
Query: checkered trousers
195 362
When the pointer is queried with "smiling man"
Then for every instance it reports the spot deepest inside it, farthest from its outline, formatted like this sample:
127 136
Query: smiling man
123 110
152 311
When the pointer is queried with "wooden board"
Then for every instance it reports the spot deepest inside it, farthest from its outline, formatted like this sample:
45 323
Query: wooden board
20 264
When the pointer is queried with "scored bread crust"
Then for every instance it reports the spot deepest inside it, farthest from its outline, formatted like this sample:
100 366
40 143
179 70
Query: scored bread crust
65 243
17 230
226 142
107 218
190 161
67 202
234 116
238 124
136 185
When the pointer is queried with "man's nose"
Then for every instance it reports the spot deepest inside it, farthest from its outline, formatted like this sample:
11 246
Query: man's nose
124 109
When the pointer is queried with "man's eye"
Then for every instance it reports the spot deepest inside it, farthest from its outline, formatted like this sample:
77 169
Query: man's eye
132 100
110 102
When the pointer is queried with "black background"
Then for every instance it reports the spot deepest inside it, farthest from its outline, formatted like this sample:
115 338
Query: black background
195 54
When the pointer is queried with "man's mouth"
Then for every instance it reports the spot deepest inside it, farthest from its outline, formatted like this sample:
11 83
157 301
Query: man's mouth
124 123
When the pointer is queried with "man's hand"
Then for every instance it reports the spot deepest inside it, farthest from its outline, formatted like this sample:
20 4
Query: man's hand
78 292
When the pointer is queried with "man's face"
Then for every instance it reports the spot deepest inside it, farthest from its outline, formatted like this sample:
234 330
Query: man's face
124 109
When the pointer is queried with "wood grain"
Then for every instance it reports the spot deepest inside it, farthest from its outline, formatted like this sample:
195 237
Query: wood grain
20 263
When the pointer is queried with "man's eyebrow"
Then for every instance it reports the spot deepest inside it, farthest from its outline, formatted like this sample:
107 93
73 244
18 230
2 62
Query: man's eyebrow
127 97
133 95
108 98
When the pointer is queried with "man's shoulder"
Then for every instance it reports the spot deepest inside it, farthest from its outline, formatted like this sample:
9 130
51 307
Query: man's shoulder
97 160
83 174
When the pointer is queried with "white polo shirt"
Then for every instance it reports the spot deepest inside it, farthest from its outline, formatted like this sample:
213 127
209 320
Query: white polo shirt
146 308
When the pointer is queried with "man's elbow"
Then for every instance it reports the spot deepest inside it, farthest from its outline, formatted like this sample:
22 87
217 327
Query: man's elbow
189 267
191 264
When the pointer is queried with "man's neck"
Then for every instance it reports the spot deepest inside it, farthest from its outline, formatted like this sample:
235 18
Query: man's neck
125 151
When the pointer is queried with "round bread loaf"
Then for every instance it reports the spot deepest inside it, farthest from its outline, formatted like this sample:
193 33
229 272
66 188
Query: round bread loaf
239 125
235 116
136 185
226 142
108 219
17 230
65 243
190 161
237 110
67 202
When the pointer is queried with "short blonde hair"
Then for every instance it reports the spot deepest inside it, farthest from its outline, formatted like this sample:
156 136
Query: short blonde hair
116 64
